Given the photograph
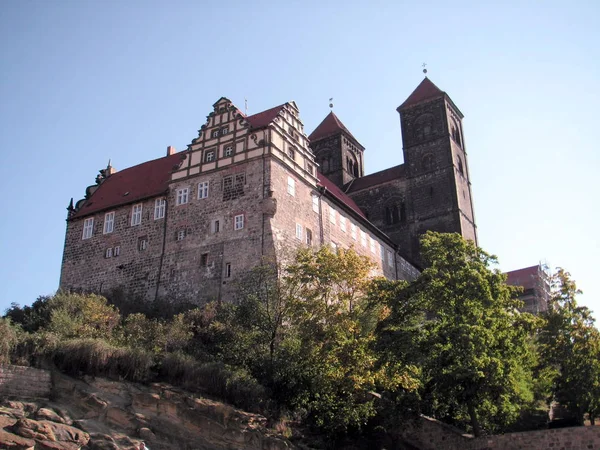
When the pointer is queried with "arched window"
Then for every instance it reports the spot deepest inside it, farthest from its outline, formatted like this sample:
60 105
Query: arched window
424 126
456 133
402 212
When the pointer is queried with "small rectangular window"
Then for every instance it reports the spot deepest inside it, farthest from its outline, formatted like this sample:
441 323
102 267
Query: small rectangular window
215 133
308 236
203 190
291 186
109 222
159 208
298 231
224 130
142 243
204 259
209 156
390 258
180 236
228 151
382 254
108 253
227 270
315 203
332 215
373 247
88 228
182 196
117 251
136 214
238 222
363 238
215 226
353 231
343 223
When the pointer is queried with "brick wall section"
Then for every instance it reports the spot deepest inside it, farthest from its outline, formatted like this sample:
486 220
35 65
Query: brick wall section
431 434
24 382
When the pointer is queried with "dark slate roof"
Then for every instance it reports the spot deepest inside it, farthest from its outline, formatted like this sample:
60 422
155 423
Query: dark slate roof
525 277
426 90
135 183
328 127
262 119
339 194
377 178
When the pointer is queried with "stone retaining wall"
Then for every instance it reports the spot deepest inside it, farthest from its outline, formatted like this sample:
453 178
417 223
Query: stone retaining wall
24 382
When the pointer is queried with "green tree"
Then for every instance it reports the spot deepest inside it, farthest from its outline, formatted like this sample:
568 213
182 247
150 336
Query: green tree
473 345
571 344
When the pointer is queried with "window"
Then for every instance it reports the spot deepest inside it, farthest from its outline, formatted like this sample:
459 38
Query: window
427 161
310 169
215 226
460 165
203 190
363 238
180 236
227 270
142 243
298 231
182 196
332 215
382 254
343 223
204 259
373 248
291 186
228 151
136 215
209 156
215 133
238 222
108 253
390 258
291 153
308 236
233 186
334 247
224 130
109 222
116 251
88 228
159 208
353 231
315 203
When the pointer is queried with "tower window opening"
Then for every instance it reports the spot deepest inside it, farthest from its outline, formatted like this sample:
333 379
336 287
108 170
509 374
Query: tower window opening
460 165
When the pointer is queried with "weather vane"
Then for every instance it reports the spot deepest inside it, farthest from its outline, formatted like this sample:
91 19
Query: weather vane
331 103
424 69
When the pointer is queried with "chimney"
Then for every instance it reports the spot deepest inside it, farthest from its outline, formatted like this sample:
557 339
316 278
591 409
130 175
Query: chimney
171 150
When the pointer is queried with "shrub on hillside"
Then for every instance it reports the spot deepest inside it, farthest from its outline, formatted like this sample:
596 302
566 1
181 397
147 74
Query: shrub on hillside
10 339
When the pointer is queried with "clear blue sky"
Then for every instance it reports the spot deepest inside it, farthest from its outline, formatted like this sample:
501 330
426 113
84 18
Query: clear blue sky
85 81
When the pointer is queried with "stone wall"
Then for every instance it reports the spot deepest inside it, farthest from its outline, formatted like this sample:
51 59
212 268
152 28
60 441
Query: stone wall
24 382
430 434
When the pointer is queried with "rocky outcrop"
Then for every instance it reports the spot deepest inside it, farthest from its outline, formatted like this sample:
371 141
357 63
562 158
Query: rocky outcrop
99 414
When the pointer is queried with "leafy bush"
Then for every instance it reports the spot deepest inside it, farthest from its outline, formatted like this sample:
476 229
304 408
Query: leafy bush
10 339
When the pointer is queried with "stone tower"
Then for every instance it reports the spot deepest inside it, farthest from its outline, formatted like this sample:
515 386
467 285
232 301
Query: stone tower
438 185
338 153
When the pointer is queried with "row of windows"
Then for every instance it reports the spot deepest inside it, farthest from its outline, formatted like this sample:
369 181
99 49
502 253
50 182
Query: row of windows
219 132
215 227
136 218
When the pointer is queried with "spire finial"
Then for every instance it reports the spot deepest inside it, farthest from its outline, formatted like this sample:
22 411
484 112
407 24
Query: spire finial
245 106
331 103
424 68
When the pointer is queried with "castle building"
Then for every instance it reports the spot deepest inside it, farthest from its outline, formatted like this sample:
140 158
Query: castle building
535 283
186 225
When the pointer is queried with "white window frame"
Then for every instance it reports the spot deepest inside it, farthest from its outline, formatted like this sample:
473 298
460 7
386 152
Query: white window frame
390 258
181 235
136 214
215 226
291 186
108 253
116 251
299 232
203 190
88 228
353 231
109 222
209 156
238 222
308 235
143 245
228 270
224 130
228 151
332 215
160 205
373 247
182 196
215 133
315 203
342 223
382 254
363 238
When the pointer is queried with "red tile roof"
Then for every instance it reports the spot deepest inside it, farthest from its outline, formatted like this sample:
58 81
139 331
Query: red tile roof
329 126
262 119
374 179
426 90
339 194
525 277
135 183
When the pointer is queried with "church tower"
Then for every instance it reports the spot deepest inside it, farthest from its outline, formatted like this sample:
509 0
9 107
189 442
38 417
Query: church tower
338 153
435 160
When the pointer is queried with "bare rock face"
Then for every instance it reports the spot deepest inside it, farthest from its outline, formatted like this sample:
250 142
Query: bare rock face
98 414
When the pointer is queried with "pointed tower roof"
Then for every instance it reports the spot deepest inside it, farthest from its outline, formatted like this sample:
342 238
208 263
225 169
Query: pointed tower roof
330 126
426 90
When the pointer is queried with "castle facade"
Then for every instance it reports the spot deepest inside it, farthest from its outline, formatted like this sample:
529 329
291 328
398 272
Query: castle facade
186 225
